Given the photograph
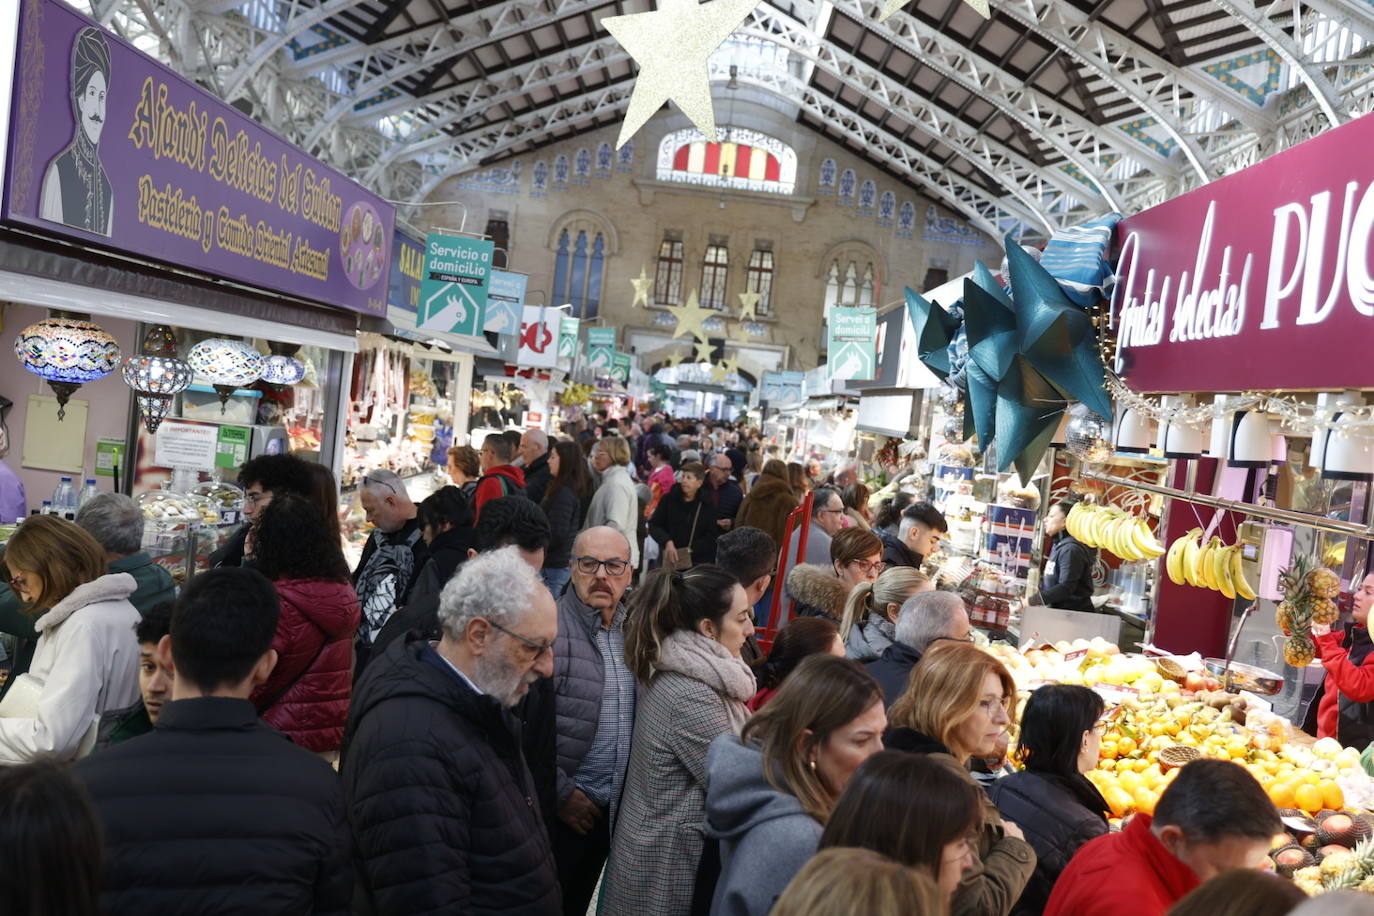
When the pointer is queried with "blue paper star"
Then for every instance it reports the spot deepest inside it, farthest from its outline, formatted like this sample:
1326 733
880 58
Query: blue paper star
935 330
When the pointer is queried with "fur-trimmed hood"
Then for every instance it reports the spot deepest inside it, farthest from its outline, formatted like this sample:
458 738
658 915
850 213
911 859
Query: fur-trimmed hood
109 587
819 588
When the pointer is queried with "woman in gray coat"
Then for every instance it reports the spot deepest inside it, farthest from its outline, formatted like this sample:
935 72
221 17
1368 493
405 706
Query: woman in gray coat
683 638
772 788
870 613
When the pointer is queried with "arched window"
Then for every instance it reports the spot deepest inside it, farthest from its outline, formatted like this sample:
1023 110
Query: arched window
668 273
740 158
853 275
581 241
713 270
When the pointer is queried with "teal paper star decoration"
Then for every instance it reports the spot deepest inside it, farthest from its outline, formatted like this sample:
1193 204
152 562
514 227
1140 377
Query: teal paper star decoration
980 406
1028 410
935 328
1057 336
990 322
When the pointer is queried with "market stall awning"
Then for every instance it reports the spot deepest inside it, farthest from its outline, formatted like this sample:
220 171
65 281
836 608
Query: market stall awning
400 323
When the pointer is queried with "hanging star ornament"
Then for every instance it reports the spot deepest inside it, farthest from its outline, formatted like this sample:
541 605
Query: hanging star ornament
721 372
671 45
748 303
703 353
892 6
691 318
641 284
935 329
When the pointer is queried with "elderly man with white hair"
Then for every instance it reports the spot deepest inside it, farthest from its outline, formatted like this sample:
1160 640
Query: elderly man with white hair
924 619
534 452
440 799
392 559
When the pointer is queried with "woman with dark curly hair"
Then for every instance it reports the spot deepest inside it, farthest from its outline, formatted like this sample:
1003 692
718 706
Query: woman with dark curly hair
308 692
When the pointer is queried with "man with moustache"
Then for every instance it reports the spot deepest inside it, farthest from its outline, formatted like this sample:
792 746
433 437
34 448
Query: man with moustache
440 799
76 190
589 704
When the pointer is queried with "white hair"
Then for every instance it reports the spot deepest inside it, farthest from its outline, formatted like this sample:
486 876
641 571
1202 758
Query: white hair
497 585
385 482
928 616
538 437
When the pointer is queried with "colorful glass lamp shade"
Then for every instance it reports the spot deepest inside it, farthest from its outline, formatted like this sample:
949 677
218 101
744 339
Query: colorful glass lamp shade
66 351
226 364
156 375
282 369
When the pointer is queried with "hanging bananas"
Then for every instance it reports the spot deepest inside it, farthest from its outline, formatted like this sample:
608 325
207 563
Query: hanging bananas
1212 565
1128 536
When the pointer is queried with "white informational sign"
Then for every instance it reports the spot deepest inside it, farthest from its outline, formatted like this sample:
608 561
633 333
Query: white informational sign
186 445
539 337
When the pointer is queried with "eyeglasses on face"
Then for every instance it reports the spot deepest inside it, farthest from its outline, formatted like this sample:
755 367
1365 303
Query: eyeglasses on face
537 648
589 565
867 567
16 581
262 496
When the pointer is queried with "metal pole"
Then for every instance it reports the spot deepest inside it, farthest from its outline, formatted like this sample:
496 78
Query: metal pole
1349 529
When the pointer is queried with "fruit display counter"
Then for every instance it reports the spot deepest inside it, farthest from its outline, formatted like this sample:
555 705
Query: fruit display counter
1165 712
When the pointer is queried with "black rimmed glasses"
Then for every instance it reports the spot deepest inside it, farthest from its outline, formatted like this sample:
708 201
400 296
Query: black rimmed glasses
538 648
589 565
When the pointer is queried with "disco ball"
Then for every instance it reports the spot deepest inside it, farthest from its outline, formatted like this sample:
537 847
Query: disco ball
1088 437
954 428
950 397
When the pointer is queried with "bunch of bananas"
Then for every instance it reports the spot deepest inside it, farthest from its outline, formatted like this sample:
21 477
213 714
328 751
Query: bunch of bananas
1128 536
1212 565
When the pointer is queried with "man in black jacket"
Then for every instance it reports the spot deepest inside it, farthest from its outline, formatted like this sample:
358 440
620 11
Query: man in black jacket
1068 579
215 812
534 451
919 533
924 619
392 559
443 808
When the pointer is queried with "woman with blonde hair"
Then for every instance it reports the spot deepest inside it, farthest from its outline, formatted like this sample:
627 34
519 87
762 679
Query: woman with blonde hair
855 498
959 703
771 789
615 503
683 636
843 881
86 660
870 612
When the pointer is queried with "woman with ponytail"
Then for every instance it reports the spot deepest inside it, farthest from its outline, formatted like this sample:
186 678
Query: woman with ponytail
683 636
870 612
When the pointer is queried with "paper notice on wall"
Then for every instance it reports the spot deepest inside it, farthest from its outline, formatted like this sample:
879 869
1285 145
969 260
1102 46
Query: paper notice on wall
186 445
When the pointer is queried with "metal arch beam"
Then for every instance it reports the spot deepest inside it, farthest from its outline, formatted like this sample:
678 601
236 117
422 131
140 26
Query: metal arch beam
296 25
964 139
1036 112
492 23
969 200
476 95
1327 98
1353 14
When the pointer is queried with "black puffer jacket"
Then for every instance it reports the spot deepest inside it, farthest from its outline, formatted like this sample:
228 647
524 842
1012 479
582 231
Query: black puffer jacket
679 521
564 511
896 553
215 812
1057 818
443 809
892 670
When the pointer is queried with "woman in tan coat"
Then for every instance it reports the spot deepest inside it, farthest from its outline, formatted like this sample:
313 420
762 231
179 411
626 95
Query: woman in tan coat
769 501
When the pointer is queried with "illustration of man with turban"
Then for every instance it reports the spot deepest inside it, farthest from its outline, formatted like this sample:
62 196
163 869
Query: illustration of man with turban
76 190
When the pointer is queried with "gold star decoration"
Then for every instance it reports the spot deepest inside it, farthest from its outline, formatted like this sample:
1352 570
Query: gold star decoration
675 359
748 302
641 284
671 45
692 318
892 6
721 372
703 354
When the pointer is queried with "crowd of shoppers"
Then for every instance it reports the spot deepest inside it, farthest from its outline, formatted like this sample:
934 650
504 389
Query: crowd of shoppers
501 709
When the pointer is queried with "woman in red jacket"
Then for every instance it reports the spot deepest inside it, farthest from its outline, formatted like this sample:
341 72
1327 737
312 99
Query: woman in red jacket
1346 709
308 692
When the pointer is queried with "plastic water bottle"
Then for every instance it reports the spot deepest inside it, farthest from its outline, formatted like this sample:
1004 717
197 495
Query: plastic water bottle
46 508
89 490
64 499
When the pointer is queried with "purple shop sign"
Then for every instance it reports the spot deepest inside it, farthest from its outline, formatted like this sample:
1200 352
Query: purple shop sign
109 147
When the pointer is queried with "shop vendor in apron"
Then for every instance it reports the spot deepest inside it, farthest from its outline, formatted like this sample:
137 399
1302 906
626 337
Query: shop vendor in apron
1068 579
1345 705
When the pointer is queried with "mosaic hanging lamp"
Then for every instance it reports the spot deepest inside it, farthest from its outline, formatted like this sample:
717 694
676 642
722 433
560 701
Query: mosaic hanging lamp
226 364
156 375
282 369
66 351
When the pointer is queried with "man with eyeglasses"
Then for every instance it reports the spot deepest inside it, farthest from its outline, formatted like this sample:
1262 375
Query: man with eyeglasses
262 478
589 706
392 559
924 620
725 494
827 519
440 799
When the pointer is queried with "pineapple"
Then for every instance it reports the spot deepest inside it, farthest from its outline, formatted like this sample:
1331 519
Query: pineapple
1352 870
1367 885
1299 651
1324 611
1285 617
1324 583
